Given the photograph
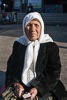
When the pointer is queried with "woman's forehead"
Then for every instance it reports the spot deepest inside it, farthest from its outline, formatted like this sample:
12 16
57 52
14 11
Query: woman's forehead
35 19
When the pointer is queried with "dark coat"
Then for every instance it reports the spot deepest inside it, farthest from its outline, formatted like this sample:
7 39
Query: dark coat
48 68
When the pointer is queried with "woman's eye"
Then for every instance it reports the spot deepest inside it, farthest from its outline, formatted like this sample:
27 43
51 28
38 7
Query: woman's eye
29 25
36 25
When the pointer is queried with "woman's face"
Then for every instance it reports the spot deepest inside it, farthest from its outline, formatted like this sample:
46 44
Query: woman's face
33 30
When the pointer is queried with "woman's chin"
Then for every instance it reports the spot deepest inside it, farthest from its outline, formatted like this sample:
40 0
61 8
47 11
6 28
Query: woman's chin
32 39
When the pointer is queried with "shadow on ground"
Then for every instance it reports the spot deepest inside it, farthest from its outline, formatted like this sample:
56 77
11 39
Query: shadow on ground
2 78
62 47
59 37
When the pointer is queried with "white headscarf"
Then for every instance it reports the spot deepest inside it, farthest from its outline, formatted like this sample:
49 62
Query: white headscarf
32 53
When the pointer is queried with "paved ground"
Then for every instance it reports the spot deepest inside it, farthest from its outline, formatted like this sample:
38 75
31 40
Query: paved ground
9 33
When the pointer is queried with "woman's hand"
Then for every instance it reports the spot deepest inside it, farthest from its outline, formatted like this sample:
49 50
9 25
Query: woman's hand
19 89
34 92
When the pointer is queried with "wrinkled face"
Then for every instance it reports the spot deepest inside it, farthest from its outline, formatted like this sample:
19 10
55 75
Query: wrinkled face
33 30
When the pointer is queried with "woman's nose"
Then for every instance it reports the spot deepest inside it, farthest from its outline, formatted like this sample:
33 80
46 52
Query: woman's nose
33 28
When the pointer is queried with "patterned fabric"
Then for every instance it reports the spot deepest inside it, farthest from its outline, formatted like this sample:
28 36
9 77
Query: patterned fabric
8 94
48 98
30 74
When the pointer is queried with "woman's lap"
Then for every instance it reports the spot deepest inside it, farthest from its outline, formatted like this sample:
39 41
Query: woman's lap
8 93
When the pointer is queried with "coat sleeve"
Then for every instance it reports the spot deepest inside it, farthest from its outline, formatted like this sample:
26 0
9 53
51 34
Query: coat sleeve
48 78
11 75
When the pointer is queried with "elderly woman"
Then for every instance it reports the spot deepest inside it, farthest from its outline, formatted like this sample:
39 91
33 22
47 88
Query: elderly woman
34 65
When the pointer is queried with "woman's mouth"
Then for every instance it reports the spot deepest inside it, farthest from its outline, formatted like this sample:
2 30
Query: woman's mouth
33 34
